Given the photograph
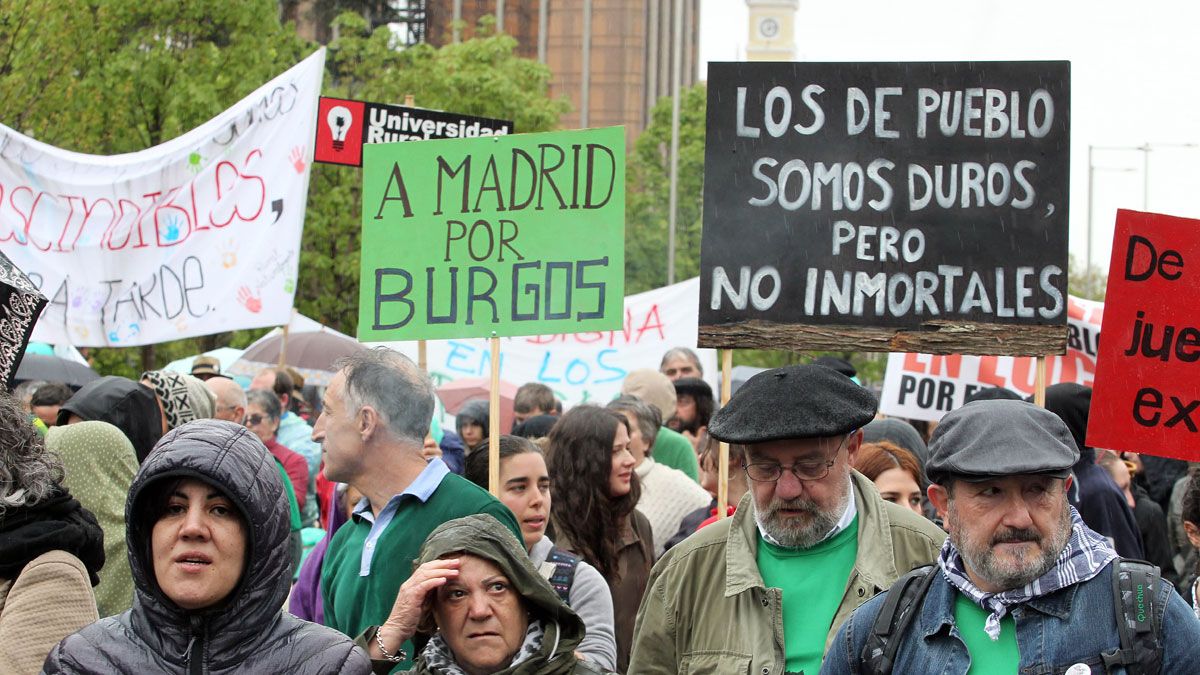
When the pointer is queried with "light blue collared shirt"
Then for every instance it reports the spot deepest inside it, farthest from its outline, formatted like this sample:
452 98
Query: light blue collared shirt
422 488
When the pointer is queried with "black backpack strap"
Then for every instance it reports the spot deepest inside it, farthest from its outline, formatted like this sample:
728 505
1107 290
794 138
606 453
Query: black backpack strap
1139 619
899 607
563 578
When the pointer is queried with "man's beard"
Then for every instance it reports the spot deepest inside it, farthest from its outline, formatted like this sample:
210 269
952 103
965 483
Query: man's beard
678 425
1005 573
800 531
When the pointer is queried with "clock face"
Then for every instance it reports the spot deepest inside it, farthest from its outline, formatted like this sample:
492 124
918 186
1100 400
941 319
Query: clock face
768 28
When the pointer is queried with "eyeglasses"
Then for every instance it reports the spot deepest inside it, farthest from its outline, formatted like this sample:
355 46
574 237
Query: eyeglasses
805 470
254 420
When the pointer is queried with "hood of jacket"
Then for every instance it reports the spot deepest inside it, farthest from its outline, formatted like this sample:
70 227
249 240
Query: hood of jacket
1072 402
230 458
484 536
122 403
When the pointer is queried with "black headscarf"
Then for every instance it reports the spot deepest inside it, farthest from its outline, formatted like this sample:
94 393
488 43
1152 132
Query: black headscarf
122 403
57 523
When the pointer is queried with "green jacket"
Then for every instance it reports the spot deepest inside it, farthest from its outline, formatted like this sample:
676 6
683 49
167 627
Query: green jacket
707 609
484 536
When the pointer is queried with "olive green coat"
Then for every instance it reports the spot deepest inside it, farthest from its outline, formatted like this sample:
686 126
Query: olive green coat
707 609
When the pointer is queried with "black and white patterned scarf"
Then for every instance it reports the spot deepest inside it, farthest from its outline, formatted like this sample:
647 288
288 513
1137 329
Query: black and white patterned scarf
440 659
172 392
1084 556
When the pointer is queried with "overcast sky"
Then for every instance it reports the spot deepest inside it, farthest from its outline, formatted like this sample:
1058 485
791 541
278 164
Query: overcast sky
1134 79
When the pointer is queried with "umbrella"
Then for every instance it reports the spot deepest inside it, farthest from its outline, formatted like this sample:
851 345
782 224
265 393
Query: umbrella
455 394
20 306
313 354
54 369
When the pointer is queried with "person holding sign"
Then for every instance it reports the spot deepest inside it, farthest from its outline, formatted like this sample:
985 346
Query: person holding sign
811 541
1022 584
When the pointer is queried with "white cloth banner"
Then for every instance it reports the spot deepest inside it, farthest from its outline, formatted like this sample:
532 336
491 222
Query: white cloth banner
581 367
195 236
925 386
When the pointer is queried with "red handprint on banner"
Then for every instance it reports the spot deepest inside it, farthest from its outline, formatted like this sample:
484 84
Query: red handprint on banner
249 299
297 158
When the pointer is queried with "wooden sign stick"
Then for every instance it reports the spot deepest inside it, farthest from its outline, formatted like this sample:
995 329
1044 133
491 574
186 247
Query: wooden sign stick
1039 382
723 452
494 421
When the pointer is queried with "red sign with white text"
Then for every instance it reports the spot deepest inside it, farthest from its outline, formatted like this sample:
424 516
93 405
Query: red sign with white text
1146 396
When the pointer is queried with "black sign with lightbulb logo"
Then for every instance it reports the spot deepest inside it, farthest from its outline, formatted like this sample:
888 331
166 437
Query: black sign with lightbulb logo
344 126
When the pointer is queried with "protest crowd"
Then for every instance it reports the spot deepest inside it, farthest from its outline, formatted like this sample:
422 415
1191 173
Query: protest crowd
153 526
609 500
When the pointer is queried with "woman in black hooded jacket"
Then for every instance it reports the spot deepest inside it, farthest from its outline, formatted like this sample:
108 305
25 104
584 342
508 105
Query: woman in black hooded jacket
178 629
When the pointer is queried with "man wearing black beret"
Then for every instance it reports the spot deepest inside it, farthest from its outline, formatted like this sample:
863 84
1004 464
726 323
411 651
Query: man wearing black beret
765 590
1022 585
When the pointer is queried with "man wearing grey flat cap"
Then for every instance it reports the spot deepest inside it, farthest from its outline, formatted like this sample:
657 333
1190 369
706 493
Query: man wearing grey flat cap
1022 585
765 591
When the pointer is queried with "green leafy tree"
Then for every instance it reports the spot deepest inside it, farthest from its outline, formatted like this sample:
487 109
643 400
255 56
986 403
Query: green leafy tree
114 76
647 200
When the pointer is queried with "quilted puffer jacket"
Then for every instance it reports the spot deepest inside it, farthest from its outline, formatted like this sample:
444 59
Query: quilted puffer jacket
247 632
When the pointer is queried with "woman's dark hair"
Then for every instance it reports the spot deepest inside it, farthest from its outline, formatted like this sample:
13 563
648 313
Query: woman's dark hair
580 464
476 469
267 400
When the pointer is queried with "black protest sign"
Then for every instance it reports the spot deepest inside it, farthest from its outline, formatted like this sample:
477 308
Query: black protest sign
887 207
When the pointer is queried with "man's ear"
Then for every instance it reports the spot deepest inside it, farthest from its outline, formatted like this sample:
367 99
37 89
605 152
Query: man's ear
285 403
369 422
1193 533
853 445
939 497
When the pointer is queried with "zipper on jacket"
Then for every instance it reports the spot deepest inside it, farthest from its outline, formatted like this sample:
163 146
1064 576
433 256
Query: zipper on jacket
194 656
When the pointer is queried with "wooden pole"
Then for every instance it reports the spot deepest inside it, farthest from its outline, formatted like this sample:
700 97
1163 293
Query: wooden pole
494 421
422 357
723 448
283 346
1039 382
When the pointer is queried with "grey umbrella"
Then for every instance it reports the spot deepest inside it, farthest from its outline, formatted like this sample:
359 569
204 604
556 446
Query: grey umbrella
54 369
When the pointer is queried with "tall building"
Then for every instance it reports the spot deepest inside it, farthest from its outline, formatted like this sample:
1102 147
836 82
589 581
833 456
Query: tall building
628 59
772 30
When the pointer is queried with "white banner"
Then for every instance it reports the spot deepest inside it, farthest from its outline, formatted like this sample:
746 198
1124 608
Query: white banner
195 236
582 367
925 386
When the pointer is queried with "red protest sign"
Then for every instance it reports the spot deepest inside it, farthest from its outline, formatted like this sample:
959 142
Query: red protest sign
1147 391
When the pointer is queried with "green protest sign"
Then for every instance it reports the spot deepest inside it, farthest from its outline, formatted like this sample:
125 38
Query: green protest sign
517 235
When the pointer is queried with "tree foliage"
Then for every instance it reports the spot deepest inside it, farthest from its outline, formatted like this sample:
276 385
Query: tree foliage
114 76
647 201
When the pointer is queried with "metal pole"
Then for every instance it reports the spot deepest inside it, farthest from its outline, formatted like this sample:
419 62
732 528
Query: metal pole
1091 208
676 67
456 19
543 25
652 59
586 82
499 16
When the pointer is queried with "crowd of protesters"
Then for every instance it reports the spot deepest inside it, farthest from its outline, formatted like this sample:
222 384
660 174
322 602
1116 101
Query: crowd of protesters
184 524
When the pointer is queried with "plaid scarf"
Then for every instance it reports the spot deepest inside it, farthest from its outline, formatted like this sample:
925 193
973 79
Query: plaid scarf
439 659
1084 556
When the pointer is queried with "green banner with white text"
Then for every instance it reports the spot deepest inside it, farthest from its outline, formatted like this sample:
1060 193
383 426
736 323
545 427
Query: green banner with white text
516 235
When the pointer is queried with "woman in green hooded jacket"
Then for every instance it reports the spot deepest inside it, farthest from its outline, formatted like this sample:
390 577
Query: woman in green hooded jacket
484 606
99 463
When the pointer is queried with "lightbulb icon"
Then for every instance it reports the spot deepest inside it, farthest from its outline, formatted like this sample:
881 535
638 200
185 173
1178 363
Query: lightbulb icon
339 119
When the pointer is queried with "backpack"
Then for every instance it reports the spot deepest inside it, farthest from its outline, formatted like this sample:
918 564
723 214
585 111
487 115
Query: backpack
1135 587
564 572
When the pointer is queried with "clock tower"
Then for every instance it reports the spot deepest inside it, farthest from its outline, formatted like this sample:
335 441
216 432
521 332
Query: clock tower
772 30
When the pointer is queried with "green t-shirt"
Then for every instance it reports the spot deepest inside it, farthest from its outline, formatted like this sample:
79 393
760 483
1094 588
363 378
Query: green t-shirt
812 581
673 450
353 602
987 657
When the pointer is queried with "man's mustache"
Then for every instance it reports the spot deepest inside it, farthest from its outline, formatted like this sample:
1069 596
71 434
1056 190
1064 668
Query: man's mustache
1017 537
